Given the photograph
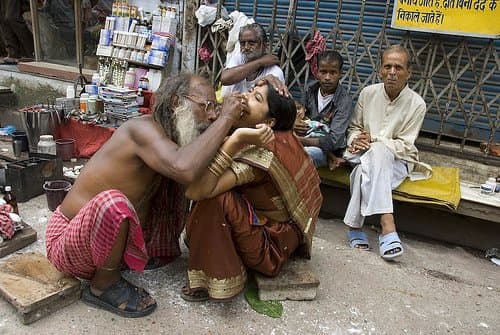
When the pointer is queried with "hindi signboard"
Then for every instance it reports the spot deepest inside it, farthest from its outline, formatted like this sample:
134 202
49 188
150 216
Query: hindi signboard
479 18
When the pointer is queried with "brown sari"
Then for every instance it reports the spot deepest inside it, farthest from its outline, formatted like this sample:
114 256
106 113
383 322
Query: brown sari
257 225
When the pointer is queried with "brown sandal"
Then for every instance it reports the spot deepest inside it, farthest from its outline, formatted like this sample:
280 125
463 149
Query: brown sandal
195 295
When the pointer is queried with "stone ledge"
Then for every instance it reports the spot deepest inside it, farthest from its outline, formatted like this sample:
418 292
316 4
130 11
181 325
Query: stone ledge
296 281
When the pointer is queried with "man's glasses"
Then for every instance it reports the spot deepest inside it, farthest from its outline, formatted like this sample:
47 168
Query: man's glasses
208 106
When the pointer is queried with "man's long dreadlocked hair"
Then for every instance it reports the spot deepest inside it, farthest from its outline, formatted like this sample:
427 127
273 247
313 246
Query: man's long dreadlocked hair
163 111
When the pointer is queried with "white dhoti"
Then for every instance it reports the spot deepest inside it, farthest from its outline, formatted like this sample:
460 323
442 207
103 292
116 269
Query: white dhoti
376 173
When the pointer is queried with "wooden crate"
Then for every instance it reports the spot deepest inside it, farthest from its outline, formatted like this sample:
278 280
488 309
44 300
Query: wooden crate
20 240
34 287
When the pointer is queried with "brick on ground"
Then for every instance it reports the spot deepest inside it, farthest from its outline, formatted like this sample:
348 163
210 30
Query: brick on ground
296 281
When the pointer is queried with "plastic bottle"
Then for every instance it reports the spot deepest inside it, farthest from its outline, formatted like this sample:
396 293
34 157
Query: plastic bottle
10 198
96 79
91 105
70 92
84 97
129 78
173 22
140 97
47 145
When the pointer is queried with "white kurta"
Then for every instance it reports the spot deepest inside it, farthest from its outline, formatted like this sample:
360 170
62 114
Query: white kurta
393 127
244 85
394 123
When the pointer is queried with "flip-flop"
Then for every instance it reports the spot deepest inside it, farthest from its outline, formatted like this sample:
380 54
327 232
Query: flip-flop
390 242
120 293
195 295
357 239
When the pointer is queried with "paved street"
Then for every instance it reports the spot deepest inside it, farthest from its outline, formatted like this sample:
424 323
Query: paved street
434 289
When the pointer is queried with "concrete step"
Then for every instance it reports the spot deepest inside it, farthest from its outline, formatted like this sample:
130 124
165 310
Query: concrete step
475 224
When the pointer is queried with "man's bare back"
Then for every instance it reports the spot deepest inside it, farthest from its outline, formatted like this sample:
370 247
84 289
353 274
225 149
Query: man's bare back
116 166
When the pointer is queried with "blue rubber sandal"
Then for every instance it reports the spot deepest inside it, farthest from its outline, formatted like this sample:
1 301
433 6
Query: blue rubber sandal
390 242
358 240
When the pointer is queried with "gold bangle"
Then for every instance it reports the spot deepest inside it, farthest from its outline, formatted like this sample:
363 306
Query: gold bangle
225 155
214 171
221 162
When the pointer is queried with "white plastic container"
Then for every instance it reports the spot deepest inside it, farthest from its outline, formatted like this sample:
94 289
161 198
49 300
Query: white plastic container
47 145
96 79
129 78
70 92
492 182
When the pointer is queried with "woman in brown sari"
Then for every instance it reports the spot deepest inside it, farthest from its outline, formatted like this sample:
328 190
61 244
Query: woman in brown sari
256 205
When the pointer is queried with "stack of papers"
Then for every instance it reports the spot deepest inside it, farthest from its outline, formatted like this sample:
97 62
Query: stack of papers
117 100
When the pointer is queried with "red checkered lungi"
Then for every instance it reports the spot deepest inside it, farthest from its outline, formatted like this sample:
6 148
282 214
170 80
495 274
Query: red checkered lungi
82 244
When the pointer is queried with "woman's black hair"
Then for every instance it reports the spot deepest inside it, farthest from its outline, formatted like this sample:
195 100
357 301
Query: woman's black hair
282 109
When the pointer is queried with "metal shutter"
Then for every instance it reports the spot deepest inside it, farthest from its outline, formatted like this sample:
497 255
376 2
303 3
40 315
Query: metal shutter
457 76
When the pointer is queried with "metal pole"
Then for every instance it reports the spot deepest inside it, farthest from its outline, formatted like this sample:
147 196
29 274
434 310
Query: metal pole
36 30
189 35
78 32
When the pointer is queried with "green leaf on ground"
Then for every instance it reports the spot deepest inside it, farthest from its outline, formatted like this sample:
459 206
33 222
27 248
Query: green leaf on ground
270 308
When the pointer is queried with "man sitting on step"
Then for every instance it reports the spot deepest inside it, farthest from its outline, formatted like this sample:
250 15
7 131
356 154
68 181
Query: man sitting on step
381 137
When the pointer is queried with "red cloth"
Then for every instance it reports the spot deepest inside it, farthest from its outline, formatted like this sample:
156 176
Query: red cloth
164 225
91 137
6 223
148 99
88 137
82 244
314 47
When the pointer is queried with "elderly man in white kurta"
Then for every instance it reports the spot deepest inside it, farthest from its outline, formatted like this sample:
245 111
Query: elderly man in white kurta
381 137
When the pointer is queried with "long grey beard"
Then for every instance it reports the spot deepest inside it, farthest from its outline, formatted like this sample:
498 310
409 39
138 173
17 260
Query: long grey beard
185 124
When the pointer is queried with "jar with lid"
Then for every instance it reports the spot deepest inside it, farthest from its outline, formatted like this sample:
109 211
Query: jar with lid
92 105
84 97
47 145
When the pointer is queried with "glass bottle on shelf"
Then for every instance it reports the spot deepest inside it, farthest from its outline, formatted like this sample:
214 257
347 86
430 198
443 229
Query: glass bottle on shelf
10 199
140 97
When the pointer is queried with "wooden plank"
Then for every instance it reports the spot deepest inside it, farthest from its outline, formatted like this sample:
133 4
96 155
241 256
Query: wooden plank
34 287
21 239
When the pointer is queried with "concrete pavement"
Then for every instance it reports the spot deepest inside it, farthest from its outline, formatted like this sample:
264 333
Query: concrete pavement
434 289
